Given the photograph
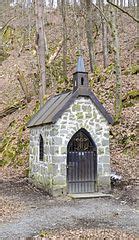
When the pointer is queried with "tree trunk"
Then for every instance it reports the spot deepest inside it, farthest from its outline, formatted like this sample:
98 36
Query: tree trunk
104 35
77 27
29 26
58 4
24 87
63 11
41 48
82 3
51 3
121 3
89 34
118 83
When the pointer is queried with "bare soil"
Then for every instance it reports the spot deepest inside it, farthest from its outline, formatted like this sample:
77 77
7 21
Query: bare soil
27 212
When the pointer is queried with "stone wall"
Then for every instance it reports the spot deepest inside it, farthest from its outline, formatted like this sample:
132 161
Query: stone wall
51 173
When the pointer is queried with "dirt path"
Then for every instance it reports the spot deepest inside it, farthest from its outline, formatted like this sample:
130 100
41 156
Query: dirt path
36 211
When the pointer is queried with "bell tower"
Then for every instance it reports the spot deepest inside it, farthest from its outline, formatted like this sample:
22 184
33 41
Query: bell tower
80 77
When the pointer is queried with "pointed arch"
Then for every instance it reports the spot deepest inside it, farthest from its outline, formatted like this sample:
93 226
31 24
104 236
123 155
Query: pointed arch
82 133
41 148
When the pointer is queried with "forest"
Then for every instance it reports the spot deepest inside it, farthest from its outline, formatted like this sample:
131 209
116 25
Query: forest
40 42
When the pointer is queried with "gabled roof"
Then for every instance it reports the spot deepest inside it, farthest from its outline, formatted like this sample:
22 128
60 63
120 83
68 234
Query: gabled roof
55 107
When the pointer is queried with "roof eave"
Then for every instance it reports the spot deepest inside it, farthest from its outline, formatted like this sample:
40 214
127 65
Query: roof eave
82 91
102 109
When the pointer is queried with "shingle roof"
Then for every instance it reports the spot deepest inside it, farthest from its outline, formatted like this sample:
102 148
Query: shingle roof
56 106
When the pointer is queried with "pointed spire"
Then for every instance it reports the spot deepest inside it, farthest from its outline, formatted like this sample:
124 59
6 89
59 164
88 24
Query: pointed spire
80 65
80 77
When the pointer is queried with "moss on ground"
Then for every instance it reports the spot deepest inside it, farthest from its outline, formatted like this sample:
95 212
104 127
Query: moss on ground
133 69
130 98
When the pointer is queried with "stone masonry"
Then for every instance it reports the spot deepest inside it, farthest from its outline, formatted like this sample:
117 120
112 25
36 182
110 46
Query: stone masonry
51 173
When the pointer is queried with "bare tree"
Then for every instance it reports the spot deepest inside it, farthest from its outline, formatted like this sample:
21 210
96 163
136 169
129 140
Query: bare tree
124 11
89 33
116 48
104 35
63 12
29 25
23 84
77 26
39 9
51 3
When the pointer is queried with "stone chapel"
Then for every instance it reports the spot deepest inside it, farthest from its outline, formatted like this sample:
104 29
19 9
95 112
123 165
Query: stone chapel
69 141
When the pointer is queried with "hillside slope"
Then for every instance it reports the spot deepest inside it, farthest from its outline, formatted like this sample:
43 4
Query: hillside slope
15 135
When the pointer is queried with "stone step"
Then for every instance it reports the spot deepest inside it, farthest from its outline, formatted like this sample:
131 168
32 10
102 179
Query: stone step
88 195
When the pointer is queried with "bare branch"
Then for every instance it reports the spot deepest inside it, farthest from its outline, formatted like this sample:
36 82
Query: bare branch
101 12
53 56
7 23
125 12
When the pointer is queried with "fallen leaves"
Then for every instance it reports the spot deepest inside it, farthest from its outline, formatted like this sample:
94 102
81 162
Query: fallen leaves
9 208
84 234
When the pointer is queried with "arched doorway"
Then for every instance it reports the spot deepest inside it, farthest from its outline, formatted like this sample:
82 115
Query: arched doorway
81 163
